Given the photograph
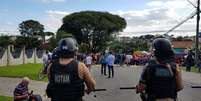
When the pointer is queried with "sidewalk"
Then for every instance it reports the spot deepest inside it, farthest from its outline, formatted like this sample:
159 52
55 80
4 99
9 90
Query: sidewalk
8 85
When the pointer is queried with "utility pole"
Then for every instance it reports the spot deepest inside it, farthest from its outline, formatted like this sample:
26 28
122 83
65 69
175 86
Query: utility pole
197 32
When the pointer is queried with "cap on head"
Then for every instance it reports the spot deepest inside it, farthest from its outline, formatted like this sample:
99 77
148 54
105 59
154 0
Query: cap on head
67 47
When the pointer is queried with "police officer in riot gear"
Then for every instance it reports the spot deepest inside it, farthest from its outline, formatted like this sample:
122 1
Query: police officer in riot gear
67 76
161 80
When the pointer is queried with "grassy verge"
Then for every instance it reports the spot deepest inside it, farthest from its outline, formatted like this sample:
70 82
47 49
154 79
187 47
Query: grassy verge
18 71
6 98
193 69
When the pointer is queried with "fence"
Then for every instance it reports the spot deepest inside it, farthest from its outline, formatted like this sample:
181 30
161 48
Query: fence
16 56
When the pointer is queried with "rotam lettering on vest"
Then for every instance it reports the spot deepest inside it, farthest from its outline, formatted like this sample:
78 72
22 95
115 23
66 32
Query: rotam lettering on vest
62 78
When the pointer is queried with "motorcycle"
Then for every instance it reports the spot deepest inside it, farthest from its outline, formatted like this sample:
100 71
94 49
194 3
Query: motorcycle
34 97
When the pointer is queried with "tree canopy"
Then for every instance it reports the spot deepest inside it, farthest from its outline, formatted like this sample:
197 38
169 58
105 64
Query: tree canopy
28 42
31 28
32 34
93 28
5 41
62 34
128 46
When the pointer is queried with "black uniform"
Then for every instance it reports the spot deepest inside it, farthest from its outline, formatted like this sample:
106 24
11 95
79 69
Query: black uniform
160 81
65 83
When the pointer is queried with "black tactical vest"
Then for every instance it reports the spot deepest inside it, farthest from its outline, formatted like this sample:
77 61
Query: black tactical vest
65 81
161 82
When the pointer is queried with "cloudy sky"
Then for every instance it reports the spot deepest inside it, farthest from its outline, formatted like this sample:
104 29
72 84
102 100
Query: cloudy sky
142 16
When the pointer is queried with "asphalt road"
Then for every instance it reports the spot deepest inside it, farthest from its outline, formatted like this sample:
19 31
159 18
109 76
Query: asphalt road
124 77
127 77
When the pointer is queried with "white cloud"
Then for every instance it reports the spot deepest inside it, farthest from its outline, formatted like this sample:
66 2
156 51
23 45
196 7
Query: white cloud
53 20
155 3
57 12
159 15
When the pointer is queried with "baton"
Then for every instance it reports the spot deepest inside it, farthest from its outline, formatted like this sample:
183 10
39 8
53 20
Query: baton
124 88
196 86
95 90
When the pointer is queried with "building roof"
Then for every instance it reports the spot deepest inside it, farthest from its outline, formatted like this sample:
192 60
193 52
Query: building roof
182 44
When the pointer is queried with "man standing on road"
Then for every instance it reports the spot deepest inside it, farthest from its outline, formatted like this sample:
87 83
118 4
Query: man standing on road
46 61
89 61
110 63
103 63
67 76
161 80
189 62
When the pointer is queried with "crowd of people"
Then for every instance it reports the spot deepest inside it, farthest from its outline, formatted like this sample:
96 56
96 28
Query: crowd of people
68 73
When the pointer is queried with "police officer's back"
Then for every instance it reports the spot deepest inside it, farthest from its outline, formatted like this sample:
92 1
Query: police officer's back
67 76
161 79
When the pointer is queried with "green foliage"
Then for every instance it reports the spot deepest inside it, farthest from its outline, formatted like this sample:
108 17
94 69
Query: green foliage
31 31
19 71
193 69
83 47
62 34
30 28
117 46
128 46
6 98
46 34
49 33
93 28
181 38
53 43
28 42
5 41
147 37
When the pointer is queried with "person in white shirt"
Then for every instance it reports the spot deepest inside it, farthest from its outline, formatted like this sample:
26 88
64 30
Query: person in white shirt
128 59
45 60
88 61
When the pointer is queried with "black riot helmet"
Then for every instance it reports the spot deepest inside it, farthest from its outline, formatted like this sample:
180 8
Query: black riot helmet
163 49
67 48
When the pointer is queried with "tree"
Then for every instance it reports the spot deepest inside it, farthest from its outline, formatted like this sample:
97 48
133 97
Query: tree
5 41
135 44
46 34
93 28
117 46
31 28
62 34
53 42
181 38
28 42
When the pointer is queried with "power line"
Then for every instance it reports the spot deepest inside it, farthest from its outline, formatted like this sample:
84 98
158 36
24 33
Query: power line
183 21
191 3
186 19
